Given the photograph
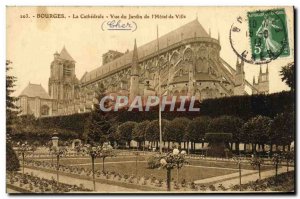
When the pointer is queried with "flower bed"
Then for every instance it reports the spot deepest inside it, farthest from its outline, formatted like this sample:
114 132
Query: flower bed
131 181
152 183
285 182
32 183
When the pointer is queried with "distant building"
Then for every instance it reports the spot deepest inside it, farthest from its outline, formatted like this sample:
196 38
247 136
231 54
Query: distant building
34 100
185 61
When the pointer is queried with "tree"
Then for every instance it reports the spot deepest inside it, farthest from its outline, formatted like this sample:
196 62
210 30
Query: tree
139 132
176 159
288 75
238 161
103 152
125 131
257 162
152 130
228 124
283 129
11 107
98 123
106 151
197 128
12 161
277 159
113 134
175 130
257 131
289 157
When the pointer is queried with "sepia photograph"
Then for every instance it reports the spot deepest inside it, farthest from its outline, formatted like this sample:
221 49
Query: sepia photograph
150 100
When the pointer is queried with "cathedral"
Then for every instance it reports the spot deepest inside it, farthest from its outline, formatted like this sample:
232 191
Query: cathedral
184 62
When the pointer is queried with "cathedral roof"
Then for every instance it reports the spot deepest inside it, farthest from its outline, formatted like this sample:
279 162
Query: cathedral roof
189 30
65 55
35 90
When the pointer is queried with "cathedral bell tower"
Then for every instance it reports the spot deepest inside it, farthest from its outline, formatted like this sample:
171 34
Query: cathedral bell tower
134 76
62 77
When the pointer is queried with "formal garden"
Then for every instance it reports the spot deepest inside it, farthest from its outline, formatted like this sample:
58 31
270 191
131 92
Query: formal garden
240 143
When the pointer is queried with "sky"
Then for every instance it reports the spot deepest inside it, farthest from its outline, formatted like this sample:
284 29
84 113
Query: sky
31 42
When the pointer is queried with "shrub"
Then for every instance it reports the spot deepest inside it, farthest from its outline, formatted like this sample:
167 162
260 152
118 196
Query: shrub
153 162
12 161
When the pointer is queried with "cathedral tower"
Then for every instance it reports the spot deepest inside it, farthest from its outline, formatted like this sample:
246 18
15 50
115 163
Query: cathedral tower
262 86
62 78
134 76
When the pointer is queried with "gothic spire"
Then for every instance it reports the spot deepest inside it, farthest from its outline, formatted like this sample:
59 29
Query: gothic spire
267 71
134 67
157 38
135 53
260 71
237 61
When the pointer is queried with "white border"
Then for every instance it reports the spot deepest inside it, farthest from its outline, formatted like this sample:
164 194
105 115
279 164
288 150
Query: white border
4 3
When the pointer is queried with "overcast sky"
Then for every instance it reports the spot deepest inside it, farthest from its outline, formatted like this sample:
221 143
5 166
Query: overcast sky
32 42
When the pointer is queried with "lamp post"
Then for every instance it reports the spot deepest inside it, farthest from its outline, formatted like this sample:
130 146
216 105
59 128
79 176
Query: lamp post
58 152
54 143
55 139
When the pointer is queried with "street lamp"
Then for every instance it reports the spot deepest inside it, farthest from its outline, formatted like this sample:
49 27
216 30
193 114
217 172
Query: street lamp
55 139
59 152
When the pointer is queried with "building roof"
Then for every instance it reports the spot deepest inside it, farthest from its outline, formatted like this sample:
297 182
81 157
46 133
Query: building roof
35 90
189 30
65 55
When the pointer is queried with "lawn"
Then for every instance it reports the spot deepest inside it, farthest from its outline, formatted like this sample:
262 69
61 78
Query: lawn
198 169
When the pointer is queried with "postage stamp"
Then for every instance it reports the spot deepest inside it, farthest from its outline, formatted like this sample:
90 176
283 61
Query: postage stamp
260 36
268 34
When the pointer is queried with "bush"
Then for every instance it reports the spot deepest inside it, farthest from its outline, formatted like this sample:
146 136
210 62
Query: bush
218 143
153 162
12 161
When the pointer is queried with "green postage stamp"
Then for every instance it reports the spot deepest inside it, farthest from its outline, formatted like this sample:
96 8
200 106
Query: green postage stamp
268 34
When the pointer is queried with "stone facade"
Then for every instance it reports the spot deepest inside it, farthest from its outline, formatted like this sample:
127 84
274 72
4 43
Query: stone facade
34 100
185 62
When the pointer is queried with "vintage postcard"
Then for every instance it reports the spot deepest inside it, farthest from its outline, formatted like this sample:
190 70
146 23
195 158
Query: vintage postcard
150 100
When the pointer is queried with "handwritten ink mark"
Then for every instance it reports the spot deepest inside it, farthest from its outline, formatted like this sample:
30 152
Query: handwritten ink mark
119 25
